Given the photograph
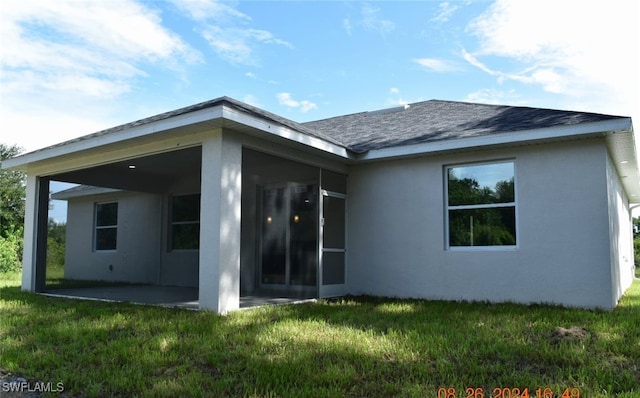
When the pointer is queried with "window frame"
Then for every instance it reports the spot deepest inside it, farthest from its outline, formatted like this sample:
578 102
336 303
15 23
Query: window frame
97 227
448 208
172 223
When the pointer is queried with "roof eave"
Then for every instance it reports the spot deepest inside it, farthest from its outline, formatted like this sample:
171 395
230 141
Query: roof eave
500 139
99 140
617 132
231 114
216 116
622 150
85 191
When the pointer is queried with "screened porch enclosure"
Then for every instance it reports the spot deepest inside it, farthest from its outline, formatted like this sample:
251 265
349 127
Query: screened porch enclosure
282 228
138 221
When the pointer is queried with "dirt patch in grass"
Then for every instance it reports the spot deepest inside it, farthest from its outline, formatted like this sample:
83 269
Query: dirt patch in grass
572 334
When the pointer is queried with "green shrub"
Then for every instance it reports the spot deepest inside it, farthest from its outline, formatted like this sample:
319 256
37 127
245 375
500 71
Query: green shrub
10 253
55 253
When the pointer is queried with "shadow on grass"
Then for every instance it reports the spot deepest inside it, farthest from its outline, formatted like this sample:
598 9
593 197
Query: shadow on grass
356 346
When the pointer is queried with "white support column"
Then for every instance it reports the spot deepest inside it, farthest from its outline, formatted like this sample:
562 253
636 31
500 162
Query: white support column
35 237
220 210
30 235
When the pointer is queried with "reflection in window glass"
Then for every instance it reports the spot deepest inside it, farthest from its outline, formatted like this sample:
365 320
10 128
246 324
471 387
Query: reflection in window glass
482 227
106 228
478 184
185 208
481 205
185 222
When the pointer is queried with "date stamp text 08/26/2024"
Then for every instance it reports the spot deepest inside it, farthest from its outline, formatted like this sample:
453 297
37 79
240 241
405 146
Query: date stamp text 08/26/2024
507 392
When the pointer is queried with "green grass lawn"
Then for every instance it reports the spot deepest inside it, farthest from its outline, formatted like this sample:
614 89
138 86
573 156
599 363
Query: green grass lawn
360 347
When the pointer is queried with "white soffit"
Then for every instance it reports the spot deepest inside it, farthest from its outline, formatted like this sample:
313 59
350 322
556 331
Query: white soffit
622 149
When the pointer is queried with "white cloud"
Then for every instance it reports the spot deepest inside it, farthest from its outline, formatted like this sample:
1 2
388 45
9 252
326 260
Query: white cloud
371 20
446 11
307 105
584 51
122 29
500 76
226 31
496 97
287 100
238 46
346 24
65 61
251 100
251 75
51 125
437 65
396 99
202 10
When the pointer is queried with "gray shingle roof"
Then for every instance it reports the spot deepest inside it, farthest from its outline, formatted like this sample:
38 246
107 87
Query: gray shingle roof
436 120
238 105
421 122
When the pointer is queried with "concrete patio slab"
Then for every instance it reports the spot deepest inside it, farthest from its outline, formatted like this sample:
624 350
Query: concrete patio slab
167 296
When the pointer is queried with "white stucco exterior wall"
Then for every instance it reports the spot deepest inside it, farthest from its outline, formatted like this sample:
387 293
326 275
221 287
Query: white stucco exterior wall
396 230
620 235
137 257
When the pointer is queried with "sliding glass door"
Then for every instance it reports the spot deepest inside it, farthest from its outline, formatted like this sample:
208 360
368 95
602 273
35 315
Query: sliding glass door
289 236
302 237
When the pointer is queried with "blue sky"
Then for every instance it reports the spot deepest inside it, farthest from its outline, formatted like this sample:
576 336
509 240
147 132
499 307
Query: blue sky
70 68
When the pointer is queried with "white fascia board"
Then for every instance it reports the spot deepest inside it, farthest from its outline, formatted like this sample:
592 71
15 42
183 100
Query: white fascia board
91 142
516 137
285 132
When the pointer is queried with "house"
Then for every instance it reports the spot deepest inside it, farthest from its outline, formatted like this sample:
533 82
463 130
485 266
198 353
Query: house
435 200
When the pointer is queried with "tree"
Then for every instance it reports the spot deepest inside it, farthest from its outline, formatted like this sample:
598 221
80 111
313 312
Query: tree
12 194
12 197
56 237
486 226
636 242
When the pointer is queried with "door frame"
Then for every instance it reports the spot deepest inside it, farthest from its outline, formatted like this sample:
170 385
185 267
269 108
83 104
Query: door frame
335 289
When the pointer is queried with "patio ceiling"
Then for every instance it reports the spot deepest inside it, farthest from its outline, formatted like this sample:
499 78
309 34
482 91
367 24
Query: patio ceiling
154 173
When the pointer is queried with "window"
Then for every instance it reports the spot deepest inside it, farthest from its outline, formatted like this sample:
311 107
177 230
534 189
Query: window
185 222
481 208
106 236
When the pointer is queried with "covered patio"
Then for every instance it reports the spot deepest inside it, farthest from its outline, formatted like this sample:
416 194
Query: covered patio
208 205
